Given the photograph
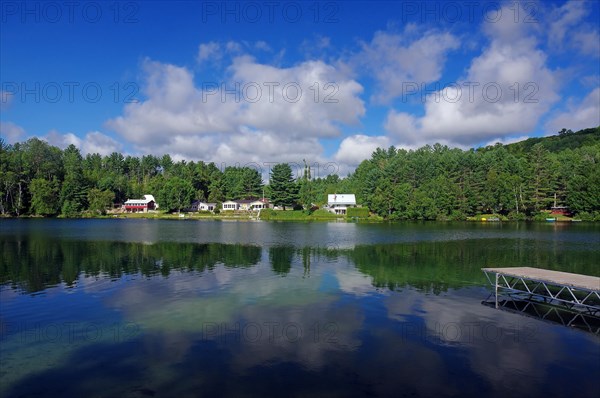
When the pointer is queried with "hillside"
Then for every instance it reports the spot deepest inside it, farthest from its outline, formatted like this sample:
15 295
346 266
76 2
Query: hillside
557 143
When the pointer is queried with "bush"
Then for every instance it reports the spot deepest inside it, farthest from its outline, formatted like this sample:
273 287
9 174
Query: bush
322 213
358 212
585 216
457 215
541 216
513 215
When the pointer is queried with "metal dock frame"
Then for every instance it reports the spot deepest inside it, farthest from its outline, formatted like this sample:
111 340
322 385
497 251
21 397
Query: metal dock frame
549 313
573 291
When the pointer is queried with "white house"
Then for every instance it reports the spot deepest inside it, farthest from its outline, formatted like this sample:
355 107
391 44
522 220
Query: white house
202 206
339 203
259 204
230 205
140 205
246 204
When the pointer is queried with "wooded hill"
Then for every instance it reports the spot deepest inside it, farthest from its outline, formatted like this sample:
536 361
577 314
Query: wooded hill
519 180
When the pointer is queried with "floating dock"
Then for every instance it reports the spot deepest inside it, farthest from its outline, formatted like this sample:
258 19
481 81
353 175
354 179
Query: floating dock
574 291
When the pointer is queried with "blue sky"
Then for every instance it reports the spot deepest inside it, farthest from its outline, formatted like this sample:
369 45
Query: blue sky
239 82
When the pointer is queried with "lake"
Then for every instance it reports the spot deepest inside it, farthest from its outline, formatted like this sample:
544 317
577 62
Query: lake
140 308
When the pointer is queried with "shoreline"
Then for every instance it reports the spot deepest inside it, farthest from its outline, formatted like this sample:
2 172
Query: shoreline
285 216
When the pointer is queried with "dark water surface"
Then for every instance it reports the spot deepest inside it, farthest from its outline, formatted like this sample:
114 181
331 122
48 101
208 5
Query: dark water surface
140 308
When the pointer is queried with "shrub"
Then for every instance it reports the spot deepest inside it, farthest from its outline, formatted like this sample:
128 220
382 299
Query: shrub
358 212
513 215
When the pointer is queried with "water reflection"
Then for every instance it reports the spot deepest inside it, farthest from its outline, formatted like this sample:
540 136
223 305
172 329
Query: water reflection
40 262
95 317
583 321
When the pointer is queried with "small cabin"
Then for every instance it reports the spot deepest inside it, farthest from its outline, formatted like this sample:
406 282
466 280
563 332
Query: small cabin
199 205
560 211
246 204
230 205
259 204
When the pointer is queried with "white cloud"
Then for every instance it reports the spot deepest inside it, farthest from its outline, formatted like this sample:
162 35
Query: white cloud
356 148
96 142
11 132
93 142
263 46
316 47
505 140
563 19
325 99
212 123
568 29
398 59
505 92
173 107
578 116
588 43
233 46
209 51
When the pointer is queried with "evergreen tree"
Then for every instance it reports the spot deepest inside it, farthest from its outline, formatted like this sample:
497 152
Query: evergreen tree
284 191
73 195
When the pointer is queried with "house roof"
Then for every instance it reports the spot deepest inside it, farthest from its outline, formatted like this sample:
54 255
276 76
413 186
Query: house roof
341 199
199 202
147 199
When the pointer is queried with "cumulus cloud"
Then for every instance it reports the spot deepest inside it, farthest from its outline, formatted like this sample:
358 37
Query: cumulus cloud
93 142
257 112
173 107
505 92
578 116
11 132
397 59
356 148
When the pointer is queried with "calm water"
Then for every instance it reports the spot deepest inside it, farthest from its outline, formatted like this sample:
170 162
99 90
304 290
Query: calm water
139 308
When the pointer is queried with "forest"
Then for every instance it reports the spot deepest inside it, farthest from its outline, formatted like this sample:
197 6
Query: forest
518 181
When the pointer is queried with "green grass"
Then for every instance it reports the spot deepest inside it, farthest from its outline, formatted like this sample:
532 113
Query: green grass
296 215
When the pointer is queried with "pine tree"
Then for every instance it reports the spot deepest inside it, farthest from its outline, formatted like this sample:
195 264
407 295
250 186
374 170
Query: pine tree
284 191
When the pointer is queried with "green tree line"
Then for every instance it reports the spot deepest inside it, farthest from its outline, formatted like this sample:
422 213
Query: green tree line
518 180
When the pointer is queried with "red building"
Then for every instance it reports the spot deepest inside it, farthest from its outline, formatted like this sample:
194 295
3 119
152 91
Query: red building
560 211
141 205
